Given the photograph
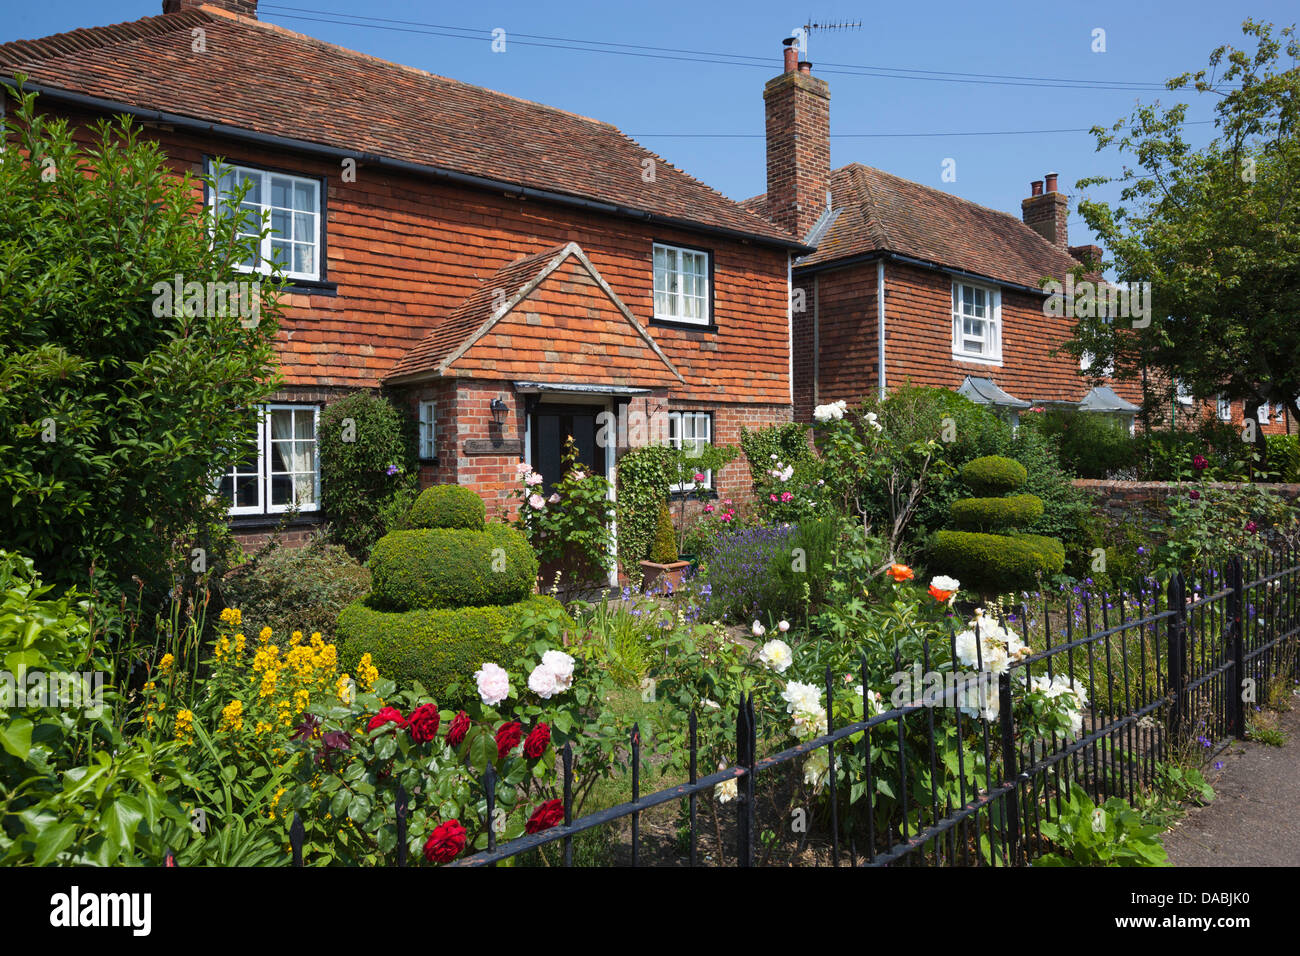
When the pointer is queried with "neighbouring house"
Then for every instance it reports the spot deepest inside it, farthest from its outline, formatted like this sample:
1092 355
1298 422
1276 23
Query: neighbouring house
508 269
910 284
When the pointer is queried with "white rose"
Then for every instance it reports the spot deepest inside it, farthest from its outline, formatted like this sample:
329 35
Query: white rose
941 582
493 684
783 626
758 629
817 768
775 655
542 682
561 665
806 698
536 501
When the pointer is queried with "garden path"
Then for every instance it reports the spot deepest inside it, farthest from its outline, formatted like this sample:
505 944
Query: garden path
1252 820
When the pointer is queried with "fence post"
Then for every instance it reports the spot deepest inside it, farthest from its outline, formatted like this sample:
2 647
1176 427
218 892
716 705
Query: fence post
746 744
1237 646
296 836
1177 652
1010 768
401 813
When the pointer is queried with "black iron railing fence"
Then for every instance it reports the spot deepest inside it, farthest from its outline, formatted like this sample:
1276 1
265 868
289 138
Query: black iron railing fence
1170 672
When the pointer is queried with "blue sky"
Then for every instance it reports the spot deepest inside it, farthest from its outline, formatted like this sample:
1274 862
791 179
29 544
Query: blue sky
648 96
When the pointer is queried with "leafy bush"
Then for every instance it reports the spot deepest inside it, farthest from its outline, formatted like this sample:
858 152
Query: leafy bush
1284 456
644 476
993 475
297 589
436 647
117 404
447 506
571 527
367 456
664 550
996 563
989 514
452 567
788 442
1112 834
1090 445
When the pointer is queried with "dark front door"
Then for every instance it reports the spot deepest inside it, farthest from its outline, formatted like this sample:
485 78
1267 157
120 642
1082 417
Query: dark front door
551 425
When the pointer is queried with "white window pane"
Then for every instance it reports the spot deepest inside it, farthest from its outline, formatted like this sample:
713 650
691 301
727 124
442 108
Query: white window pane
304 258
304 196
281 423
281 190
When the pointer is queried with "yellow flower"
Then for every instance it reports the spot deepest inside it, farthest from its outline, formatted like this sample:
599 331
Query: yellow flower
266 659
367 673
148 721
239 644
316 640
345 690
300 700
265 635
275 802
165 665
263 727
222 648
184 725
232 716
296 639
268 684
232 615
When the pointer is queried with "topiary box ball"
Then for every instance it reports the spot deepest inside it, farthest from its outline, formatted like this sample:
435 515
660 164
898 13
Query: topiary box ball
448 506
452 567
993 475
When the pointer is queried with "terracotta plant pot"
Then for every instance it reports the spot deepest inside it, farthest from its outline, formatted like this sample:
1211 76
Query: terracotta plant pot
657 576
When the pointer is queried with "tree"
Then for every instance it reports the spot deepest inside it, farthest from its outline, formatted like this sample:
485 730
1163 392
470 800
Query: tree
1215 231
121 402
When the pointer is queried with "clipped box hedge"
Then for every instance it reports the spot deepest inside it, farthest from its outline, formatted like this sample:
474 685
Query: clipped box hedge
995 563
437 647
451 567
448 506
990 514
993 475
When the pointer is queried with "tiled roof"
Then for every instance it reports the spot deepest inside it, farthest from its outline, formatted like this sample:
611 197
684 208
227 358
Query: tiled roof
261 77
881 212
551 314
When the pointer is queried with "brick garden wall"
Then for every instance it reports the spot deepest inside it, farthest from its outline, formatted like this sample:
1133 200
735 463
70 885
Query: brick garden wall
1147 501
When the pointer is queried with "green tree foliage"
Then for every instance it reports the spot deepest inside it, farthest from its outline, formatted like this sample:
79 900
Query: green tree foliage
1216 231
367 457
115 421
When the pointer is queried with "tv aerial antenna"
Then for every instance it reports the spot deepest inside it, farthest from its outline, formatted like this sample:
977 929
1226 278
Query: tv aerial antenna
802 33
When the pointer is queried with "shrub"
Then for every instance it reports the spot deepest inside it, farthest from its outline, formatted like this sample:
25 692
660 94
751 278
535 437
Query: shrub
664 550
736 568
788 442
367 456
297 589
118 405
989 514
993 475
1089 444
447 506
437 647
1284 456
452 567
644 476
570 528
995 563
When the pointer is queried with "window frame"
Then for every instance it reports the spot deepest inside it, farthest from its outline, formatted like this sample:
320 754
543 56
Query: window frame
265 474
1223 408
675 421
707 322
992 322
264 267
431 443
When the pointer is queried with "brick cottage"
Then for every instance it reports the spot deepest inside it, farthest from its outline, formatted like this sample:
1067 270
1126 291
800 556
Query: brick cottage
510 270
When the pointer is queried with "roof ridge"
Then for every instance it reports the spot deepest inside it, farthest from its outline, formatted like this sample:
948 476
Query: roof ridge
84 39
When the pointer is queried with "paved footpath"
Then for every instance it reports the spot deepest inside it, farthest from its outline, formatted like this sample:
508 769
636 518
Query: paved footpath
1253 820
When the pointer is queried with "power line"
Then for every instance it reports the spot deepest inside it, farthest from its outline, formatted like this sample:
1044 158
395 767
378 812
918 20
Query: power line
701 56
990 132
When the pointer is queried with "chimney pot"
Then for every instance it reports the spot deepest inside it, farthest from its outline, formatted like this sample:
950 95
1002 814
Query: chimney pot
1036 188
791 56
805 66
1051 182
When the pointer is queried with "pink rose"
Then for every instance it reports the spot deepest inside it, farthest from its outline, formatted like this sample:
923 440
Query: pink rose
699 476
708 509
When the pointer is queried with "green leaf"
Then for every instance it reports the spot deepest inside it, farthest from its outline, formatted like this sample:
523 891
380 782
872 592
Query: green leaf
16 737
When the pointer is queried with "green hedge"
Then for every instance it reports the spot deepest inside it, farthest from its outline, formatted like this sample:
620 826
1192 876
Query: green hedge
991 514
437 647
452 567
994 563
993 475
447 506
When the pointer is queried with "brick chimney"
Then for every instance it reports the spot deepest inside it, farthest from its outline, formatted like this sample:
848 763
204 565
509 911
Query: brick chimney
245 8
1047 211
798 111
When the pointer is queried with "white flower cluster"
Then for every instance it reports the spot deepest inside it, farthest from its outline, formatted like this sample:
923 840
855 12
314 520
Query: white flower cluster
832 412
532 479
782 471
994 649
804 703
1071 694
552 676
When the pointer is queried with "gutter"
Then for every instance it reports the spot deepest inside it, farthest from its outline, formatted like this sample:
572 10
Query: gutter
887 256
419 169
880 323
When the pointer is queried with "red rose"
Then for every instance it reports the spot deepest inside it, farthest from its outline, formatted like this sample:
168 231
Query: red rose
537 742
445 843
545 816
423 723
508 737
458 729
389 715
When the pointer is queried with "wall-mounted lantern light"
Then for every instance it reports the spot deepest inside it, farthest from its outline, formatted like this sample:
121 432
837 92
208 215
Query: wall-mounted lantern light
498 409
